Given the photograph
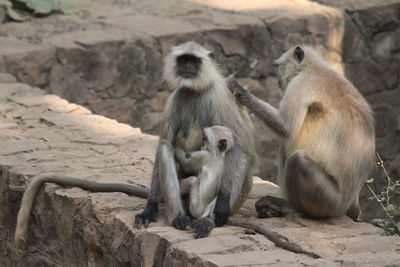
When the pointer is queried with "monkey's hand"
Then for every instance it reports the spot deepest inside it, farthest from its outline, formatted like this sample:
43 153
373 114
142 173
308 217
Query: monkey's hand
149 215
180 155
202 227
236 89
221 210
182 222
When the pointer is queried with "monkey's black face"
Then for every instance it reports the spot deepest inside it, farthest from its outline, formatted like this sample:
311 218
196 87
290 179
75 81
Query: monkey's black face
188 66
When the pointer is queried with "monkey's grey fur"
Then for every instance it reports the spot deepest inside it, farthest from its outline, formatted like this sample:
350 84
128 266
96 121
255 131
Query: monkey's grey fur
200 101
328 130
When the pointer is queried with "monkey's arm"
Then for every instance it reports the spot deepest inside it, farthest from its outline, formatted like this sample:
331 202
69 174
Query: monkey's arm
150 212
186 185
35 184
263 110
192 161
168 132
235 168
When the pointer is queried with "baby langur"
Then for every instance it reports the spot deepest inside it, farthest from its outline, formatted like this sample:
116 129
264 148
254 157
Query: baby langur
208 163
329 136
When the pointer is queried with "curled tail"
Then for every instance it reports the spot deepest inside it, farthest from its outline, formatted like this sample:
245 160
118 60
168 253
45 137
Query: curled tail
34 186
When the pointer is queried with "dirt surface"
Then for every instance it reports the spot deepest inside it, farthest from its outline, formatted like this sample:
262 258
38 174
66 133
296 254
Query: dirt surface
73 227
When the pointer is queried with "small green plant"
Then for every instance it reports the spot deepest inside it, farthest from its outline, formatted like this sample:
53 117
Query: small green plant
12 116
46 6
42 7
7 11
385 200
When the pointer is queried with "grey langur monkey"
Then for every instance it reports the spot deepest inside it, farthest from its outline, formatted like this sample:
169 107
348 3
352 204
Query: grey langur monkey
328 146
200 99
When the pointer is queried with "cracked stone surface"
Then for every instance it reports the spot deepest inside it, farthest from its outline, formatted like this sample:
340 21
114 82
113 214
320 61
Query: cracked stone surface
73 227
107 56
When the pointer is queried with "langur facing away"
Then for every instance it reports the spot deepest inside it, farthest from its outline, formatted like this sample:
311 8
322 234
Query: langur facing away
328 134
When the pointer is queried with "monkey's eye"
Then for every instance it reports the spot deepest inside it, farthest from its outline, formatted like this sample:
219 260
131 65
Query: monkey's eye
211 55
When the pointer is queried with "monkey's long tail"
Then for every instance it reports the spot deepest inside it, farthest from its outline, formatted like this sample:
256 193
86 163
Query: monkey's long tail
277 239
36 182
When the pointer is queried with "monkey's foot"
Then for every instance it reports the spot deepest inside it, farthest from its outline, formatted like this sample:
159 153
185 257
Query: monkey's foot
147 216
221 210
202 227
182 222
269 206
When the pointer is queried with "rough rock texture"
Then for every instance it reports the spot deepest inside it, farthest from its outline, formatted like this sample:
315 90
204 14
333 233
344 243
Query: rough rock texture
73 227
108 54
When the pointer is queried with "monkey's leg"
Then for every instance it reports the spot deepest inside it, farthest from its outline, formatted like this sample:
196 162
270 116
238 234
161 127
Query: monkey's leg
309 188
171 193
164 176
235 173
150 213
270 206
187 184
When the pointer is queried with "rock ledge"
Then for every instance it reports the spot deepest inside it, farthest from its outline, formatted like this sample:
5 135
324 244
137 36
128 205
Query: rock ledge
72 227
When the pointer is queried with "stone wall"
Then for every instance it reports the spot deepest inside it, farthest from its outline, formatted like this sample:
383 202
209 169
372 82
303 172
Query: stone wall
108 57
116 71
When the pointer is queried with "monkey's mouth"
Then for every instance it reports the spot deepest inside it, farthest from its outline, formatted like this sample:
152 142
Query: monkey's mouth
187 74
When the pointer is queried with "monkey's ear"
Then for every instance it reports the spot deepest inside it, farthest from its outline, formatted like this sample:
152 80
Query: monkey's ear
222 145
211 54
298 54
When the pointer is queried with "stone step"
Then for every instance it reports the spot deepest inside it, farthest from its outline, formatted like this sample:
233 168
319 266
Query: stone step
108 56
73 227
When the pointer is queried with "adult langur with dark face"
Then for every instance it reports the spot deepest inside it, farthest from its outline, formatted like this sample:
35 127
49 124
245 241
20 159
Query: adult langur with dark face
200 99
329 137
